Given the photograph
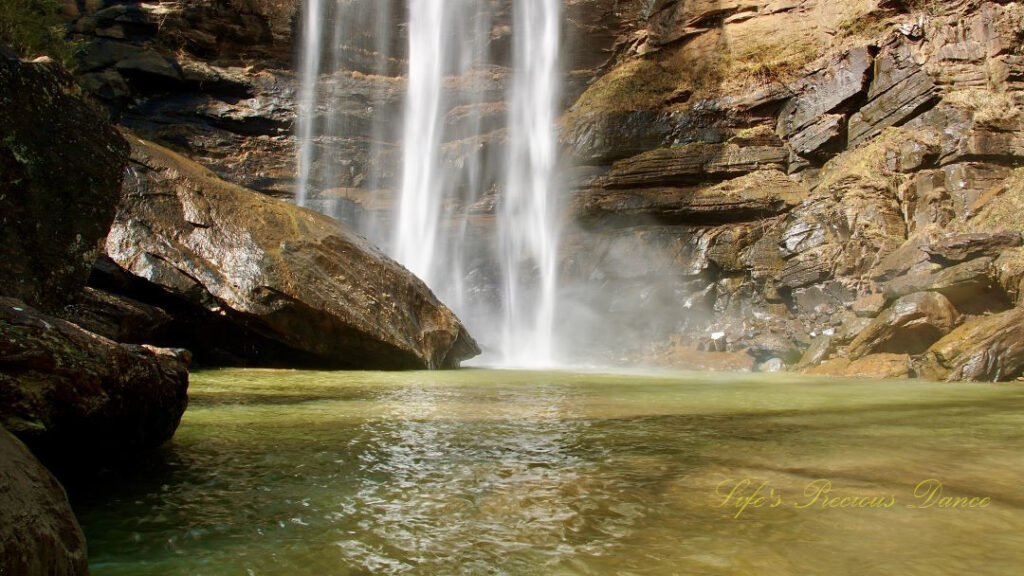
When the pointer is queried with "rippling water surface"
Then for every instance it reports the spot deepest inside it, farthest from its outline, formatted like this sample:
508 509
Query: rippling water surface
495 472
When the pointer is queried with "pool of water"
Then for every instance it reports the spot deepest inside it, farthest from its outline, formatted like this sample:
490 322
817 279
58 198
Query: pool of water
501 472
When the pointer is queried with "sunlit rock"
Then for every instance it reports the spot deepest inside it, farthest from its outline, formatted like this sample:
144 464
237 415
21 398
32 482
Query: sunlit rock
260 281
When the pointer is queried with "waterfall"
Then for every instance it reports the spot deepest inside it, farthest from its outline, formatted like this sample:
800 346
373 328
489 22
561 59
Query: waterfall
309 74
336 81
474 213
423 190
527 219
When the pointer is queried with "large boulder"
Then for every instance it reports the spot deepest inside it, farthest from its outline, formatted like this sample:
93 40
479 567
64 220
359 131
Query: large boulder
265 282
988 348
76 397
909 325
39 535
61 166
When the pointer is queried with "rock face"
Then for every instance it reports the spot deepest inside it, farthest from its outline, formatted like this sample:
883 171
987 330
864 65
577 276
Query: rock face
61 166
39 535
211 79
262 282
870 366
988 348
748 169
911 324
846 186
73 396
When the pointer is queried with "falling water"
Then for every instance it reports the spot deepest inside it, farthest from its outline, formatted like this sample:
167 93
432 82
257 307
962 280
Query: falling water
419 210
476 140
309 74
345 59
527 220
451 74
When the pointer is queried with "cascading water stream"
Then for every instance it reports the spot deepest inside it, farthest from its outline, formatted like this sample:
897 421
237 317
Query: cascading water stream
527 219
309 75
339 85
420 203
498 273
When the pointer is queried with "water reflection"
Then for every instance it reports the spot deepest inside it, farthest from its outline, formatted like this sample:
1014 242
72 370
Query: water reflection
481 472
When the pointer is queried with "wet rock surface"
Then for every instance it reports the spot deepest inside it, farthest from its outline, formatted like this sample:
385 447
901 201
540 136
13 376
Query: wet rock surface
210 79
39 535
80 399
255 281
871 366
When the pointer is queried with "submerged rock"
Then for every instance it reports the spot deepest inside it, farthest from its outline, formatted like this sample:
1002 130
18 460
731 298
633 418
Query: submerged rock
75 397
989 348
263 282
61 166
39 535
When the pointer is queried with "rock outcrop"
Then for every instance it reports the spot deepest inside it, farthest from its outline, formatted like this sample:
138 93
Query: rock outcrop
61 166
253 280
910 324
776 172
883 365
844 186
39 535
75 397
987 348
210 79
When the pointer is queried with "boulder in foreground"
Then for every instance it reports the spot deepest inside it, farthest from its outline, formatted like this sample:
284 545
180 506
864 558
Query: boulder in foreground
39 535
257 281
75 397
61 166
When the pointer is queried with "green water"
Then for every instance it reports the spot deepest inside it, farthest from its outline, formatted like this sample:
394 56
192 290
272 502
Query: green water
485 472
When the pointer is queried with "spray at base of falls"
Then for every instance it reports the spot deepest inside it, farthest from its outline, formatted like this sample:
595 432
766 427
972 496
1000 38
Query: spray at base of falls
503 286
